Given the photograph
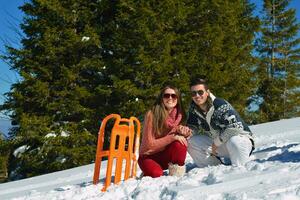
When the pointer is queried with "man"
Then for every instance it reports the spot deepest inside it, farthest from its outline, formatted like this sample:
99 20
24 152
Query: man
223 133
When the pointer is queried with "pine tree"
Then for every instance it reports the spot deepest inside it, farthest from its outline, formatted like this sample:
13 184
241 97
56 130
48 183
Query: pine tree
220 42
278 71
172 41
53 105
150 33
4 151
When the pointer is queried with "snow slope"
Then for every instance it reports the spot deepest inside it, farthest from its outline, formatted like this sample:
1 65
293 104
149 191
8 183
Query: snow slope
273 173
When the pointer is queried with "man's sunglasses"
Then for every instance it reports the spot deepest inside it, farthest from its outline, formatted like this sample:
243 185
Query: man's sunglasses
199 92
167 96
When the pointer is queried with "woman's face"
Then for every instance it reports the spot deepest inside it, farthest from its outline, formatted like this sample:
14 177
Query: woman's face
170 98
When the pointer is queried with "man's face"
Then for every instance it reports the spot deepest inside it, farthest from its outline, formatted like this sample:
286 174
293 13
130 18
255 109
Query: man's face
199 94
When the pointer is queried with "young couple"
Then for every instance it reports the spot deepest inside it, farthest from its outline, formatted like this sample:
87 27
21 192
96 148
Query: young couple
214 130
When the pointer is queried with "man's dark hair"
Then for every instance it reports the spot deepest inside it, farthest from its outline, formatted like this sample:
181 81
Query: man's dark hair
199 81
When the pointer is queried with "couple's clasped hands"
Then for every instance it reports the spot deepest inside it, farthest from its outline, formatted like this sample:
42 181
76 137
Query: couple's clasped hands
183 133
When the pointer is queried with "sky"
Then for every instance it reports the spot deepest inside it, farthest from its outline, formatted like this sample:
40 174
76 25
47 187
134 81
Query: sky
11 17
272 174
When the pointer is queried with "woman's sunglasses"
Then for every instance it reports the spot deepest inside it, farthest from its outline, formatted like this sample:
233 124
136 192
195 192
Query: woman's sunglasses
199 92
167 96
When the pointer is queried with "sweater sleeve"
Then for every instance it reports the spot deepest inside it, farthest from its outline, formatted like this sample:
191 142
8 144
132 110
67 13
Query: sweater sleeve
230 124
150 144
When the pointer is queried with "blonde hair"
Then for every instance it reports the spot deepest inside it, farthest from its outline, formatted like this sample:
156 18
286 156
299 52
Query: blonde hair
160 113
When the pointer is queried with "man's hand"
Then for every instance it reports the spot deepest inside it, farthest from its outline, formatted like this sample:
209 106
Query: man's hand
185 131
214 149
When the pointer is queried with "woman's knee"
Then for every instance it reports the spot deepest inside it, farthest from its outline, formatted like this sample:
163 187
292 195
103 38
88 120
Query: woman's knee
154 173
178 146
150 167
178 153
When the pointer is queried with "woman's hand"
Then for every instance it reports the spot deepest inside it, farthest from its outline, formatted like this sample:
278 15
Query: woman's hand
184 130
181 139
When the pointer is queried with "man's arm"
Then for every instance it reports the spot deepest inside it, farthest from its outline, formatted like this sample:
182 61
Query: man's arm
229 122
193 124
198 125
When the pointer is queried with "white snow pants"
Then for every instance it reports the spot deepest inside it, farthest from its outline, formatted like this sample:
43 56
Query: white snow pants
237 149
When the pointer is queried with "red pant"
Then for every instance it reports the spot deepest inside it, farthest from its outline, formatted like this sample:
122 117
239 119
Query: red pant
153 165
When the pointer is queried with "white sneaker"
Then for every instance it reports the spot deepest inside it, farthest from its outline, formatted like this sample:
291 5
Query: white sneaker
176 170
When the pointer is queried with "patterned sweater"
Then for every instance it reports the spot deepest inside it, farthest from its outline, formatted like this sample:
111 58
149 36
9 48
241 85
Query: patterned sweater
220 123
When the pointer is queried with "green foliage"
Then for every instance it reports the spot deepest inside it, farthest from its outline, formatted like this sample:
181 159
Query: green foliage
4 152
219 36
172 41
278 70
65 147
60 65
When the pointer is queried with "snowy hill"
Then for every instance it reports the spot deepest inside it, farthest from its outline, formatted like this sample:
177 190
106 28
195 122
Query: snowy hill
273 173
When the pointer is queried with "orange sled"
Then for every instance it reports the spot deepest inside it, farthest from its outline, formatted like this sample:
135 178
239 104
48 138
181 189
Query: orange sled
124 146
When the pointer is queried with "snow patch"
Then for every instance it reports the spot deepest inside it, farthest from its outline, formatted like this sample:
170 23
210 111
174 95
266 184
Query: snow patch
294 149
65 134
20 150
85 39
50 135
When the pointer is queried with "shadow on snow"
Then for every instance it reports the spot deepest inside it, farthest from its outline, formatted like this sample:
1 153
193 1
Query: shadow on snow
284 154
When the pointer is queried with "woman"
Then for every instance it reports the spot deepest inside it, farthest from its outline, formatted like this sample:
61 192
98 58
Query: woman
164 143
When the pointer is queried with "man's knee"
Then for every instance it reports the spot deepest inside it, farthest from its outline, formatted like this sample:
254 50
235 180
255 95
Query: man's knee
239 148
233 143
239 144
194 141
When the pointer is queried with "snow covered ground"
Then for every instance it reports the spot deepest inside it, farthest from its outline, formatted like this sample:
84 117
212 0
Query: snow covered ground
273 174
